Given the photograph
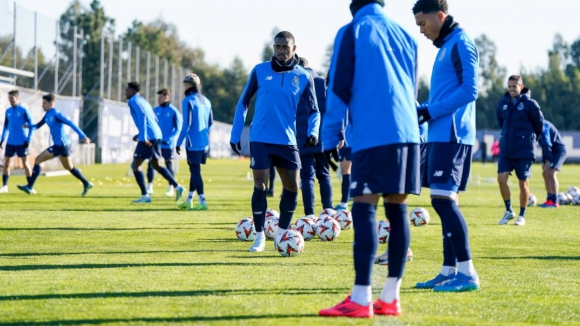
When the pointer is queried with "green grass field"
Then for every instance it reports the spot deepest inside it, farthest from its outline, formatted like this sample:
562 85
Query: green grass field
70 260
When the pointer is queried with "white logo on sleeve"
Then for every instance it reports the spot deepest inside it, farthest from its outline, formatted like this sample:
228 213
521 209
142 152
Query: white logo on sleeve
438 174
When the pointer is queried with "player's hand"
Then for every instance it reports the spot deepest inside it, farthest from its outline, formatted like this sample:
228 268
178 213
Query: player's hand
236 148
332 154
25 144
136 138
148 143
86 140
340 144
311 141
423 115
178 150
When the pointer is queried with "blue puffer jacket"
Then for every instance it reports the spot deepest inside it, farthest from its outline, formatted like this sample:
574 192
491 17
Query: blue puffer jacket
522 124
303 113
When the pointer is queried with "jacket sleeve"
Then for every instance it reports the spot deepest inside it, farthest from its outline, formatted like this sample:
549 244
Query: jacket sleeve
176 123
546 144
537 118
139 118
61 118
343 77
187 119
40 123
466 62
242 107
309 98
210 118
28 118
5 130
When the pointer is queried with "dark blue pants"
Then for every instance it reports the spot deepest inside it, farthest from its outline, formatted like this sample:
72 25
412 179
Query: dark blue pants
315 165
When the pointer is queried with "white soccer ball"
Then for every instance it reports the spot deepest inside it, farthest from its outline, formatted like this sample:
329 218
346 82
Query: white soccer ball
384 230
272 213
532 200
328 229
328 212
420 217
245 229
289 243
344 218
576 199
306 227
574 191
271 227
564 198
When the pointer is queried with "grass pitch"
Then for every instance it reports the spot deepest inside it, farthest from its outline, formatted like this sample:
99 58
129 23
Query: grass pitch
70 260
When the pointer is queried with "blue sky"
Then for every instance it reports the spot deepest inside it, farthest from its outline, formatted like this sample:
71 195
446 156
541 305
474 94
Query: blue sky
523 30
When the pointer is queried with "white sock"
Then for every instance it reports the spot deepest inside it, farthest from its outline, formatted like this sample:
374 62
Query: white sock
361 294
190 196
466 267
169 188
448 270
390 292
344 204
150 185
145 196
201 199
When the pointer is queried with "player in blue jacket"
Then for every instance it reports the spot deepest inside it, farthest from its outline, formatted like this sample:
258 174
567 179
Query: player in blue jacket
279 85
148 142
198 118
18 137
553 157
61 144
170 123
373 72
451 116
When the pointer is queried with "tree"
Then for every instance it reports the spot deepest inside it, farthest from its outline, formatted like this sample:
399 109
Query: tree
268 51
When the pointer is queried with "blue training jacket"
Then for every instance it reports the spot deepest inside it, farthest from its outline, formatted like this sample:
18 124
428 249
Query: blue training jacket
277 98
454 90
373 72
197 121
144 118
16 117
551 141
302 116
56 122
170 123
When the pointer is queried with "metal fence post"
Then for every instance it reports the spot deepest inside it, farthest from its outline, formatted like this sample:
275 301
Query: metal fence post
102 75
165 73
56 58
120 69
110 67
81 56
156 73
147 75
128 61
74 70
35 51
137 57
14 43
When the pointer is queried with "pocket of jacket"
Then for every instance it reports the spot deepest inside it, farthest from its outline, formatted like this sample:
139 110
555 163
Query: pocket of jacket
524 140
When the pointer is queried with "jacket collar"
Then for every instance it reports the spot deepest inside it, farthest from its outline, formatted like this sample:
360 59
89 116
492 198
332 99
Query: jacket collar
448 27
166 104
277 66
525 94
191 90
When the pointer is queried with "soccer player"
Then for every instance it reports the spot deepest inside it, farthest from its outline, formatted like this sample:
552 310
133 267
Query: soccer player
522 124
553 157
18 137
149 142
279 85
373 74
61 144
198 118
451 135
313 160
170 123
345 161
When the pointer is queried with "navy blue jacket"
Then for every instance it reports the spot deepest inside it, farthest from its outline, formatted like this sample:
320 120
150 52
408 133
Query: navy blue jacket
522 123
303 113
551 141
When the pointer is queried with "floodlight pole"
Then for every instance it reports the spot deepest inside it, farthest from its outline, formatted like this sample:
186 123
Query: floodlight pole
56 59
120 70
110 67
35 50
81 55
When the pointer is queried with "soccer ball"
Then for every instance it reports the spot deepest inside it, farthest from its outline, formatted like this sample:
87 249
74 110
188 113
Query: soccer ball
344 218
564 198
420 216
289 243
328 229
245 229
532 200
384 230
576 199
305 227
272 213
271 227
327 212
574 191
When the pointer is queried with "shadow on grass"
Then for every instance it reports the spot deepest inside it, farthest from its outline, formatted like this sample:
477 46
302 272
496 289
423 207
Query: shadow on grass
160 320
35 254
535 257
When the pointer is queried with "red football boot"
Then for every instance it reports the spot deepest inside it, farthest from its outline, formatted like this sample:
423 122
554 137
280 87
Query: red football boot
387 309
348 308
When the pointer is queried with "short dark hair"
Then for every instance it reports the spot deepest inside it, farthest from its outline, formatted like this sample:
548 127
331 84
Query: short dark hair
134 85
285 34
430 6
14 93
163 91
303 62
49 97
517 78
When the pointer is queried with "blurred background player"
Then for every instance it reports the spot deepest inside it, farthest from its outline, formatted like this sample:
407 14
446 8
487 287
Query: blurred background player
61 144
279 86
270 190
522 123
170 123
377 86
18 137
198 118
148 142
454 87
314 163
553 157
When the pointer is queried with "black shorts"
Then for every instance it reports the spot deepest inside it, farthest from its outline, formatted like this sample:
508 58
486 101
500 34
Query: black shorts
558 159
168 154
345 154
523 167
196 157
386 170
142 151
263 156
446 167
57 150
18 150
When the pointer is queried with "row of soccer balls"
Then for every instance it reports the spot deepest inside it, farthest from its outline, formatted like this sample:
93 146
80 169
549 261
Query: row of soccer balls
327 227
571 197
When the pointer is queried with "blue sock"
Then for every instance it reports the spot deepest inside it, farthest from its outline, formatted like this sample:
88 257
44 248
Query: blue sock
259 207
288 204
307 187
455 227
35 173
140 178
508 205
5 179
522 211
165 173
28 180
399 238
554 198
325 188
196 180
365 241
150 173
449 258
345 187
74 171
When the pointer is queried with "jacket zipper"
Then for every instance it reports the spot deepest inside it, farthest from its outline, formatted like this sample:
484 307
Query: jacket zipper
282 83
